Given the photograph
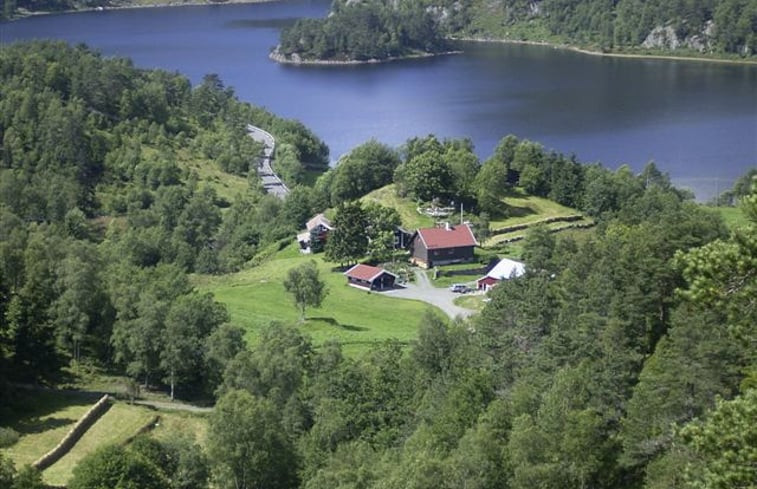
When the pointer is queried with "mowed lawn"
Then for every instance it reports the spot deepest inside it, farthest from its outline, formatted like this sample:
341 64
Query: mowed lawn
181 424
51 415
115 426
525 209
353 317
47 420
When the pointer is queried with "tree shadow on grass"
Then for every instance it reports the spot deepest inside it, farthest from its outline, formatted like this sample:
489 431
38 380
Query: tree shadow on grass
516 211
31 404
37 425
334 322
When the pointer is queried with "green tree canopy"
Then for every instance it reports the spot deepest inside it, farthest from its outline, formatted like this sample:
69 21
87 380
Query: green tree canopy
305 285
117 468
348 241
367 167
248 446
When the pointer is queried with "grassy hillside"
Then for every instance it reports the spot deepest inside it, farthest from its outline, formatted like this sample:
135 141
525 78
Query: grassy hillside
228 187
733 216
406 208
352 317
531 211
522 209
50 416
46 419
119 423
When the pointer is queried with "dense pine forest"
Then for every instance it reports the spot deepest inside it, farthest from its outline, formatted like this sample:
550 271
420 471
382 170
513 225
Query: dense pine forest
625 357
382 29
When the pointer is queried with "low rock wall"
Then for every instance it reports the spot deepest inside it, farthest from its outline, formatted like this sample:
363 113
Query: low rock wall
578 225
144 429
549 220
68 441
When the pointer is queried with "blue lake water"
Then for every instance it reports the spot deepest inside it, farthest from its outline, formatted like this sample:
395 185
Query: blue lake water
696 120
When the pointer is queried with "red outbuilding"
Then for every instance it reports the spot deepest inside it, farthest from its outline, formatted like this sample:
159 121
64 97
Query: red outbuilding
370 278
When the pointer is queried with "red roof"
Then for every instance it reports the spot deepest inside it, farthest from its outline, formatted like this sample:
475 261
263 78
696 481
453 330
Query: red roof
451 237
365 272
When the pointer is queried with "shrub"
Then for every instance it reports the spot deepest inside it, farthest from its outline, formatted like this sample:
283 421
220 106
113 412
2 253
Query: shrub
8 437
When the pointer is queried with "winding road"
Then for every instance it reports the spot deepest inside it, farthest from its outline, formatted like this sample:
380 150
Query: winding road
271 182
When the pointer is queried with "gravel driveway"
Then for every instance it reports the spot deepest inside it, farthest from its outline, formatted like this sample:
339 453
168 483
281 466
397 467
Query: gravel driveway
422 290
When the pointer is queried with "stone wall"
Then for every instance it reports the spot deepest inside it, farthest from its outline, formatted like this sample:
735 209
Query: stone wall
68 441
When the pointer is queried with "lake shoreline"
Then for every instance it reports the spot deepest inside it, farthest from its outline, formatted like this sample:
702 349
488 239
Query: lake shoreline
168 4
283 60
276 56
568 47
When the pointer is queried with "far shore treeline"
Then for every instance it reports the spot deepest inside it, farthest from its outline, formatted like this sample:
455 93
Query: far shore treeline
626 356
381 29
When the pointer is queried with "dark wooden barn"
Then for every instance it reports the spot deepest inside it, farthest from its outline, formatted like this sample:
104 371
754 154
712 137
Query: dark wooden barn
442 245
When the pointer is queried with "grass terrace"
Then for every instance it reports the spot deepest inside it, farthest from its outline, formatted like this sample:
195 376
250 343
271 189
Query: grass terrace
119 423
49 415
524 209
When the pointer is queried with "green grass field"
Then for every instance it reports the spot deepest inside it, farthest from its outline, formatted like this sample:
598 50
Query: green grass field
47 417
228 187
522 209
353 317
447 280
525 208
529 210
473 302
411 219
734 217
499 238
50 416
119 423
182 424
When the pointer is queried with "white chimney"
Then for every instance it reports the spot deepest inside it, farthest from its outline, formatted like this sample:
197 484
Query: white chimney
447 226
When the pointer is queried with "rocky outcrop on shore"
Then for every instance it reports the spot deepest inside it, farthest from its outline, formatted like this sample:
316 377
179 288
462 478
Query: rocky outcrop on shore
666 37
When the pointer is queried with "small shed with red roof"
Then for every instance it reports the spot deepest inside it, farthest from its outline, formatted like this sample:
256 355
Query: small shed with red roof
370 278
442 245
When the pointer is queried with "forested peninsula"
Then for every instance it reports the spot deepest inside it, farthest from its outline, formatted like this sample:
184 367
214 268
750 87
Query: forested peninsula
359 30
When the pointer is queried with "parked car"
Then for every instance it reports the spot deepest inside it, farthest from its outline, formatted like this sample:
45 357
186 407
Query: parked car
459 288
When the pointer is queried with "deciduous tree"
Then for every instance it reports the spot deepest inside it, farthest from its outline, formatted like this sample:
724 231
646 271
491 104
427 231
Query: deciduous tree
348 242
305 284
118 468
248 446
190 320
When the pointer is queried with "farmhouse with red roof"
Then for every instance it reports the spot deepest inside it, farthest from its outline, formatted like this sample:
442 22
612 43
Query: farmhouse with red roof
442 245
370 278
